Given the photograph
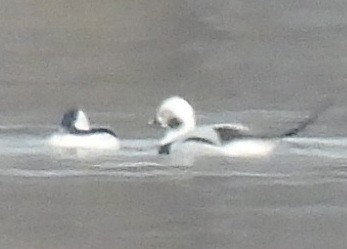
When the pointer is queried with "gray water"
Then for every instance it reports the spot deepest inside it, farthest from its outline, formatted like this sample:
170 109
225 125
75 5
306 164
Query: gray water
266 64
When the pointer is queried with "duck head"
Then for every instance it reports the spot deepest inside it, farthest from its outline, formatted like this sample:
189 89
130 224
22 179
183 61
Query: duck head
75 120
177 116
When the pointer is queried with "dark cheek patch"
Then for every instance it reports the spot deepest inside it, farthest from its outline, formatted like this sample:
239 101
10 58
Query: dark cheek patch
174 123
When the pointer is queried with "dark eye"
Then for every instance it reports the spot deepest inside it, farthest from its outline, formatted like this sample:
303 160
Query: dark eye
174 123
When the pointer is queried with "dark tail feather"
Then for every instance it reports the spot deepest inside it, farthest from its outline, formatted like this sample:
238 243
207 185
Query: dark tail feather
310 120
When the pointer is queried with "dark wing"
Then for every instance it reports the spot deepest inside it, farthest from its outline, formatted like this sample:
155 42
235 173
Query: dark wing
309 120
228 132
103 130
93 131
200 140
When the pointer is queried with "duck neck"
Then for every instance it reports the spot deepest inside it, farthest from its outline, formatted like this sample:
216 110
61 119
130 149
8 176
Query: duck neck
180 133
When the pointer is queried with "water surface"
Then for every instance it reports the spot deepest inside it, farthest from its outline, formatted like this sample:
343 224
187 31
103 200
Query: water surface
265 64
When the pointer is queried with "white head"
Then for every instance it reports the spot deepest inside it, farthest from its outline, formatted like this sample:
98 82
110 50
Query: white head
178 115
75 120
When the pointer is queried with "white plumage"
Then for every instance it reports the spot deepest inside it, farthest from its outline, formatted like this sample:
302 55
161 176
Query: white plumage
183 136
75 132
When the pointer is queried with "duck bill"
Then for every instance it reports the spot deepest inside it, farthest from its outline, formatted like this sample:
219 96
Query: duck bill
154 122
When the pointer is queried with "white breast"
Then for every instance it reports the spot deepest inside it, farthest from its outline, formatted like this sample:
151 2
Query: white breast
87 141
237 148
250 147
